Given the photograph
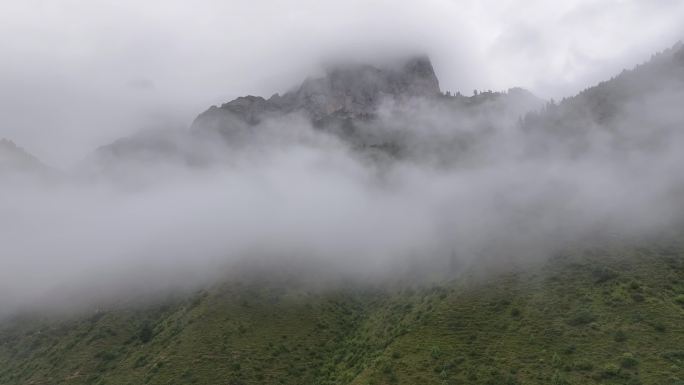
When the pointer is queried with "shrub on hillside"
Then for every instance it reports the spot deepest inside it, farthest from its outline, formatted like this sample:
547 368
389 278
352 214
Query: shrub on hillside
609 371
679 299
558 379
145 334
620 336
628 361
435 352
581 317
583 366
603 275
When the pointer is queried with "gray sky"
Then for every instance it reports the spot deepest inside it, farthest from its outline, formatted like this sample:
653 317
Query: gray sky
76 74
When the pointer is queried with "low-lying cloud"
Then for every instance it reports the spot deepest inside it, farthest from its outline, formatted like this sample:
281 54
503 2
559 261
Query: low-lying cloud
466 185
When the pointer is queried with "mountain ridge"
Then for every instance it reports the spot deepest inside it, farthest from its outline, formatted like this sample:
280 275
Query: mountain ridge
345 102
348 90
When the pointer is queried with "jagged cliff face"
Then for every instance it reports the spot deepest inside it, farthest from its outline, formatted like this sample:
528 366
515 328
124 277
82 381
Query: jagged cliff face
352 92
369 108
397 111
356 92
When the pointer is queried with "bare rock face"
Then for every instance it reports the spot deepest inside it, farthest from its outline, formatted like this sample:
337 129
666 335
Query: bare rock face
356 91
346 92
344 103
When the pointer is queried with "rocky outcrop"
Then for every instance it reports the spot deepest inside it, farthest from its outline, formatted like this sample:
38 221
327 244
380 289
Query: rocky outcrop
345 103
345 92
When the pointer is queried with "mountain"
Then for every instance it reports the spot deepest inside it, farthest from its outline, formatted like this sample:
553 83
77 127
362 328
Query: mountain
605 102
350 102
351 92
606 311
16 161
643 103
354 103
357 103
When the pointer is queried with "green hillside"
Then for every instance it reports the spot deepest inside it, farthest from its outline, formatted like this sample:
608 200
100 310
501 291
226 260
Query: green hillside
601 316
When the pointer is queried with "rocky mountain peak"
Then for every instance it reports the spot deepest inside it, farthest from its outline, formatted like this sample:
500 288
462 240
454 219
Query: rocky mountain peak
357 89
345 91
414 76
420 76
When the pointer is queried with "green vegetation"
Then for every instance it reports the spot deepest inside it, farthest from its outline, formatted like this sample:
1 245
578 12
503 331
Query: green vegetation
603 316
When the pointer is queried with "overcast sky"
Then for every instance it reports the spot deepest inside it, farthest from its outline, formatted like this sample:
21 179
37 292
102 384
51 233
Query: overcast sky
76 74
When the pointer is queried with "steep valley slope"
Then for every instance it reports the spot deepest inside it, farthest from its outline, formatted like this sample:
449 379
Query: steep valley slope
603 315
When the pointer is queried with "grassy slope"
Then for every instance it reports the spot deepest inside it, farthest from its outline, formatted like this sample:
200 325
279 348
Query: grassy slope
606 316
